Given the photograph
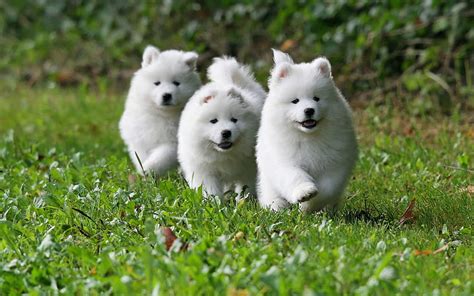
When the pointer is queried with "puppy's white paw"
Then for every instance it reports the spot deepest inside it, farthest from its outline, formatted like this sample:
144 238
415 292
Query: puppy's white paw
278 204
303 192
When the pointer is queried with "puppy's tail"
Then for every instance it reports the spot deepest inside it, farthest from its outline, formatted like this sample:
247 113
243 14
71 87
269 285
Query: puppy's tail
227 70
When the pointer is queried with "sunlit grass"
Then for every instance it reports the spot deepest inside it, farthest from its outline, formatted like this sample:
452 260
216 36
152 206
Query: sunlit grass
74 217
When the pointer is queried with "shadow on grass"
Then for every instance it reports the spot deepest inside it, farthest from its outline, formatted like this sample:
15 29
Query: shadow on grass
365 216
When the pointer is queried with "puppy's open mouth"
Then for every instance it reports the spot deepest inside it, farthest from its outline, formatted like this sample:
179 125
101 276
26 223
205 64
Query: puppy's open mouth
309 123
225 145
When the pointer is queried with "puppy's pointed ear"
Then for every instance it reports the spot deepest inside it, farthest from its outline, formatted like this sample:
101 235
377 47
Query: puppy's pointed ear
281 57
323 67
150 54
190 59
236 95
280 72
208 97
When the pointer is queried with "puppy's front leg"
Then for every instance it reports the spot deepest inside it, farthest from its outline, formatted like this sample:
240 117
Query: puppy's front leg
161 159
211 185
331 188
295 184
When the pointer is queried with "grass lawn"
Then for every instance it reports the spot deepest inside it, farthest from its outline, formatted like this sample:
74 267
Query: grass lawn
74 217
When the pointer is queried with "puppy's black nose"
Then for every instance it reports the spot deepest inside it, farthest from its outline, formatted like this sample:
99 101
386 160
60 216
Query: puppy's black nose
226 134
167 97
309 111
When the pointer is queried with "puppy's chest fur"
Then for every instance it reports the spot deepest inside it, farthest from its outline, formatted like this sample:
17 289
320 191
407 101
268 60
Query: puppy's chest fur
153 128
316 155
231 164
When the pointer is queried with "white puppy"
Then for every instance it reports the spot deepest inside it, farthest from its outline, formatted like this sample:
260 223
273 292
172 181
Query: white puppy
217 131
306 146
158 93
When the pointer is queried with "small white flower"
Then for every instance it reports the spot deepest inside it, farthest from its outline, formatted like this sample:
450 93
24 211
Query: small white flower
388 273
381 246
156 290
126 279
46 243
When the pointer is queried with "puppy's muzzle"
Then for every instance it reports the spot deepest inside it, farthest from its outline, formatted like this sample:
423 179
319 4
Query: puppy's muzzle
226 134
309 112
226 143
167 97
309 123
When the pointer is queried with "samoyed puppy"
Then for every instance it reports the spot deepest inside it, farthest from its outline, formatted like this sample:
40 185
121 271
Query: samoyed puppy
157 95
217 130
306 147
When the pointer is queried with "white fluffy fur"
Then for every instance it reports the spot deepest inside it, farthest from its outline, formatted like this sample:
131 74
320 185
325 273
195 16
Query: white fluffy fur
297 164
231 94
149 125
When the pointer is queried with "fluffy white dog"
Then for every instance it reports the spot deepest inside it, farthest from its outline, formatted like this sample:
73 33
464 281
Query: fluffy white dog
158 93
306 147
217 131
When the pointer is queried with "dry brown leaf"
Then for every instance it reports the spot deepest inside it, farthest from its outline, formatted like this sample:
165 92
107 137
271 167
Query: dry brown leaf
422 252
237 292
469 189
430 252
288 44
470 133
66 77
93 271
408 130
408 214
239 235
132 179
170 237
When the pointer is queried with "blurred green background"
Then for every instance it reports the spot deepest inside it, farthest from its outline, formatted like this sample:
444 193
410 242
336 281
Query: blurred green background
418 55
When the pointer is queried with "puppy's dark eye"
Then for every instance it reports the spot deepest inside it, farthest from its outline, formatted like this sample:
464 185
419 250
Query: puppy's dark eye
157 83
316 99
295 101
213 121
234 120
176 83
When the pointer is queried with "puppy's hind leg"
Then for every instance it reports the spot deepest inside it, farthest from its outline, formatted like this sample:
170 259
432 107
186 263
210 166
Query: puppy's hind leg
161 159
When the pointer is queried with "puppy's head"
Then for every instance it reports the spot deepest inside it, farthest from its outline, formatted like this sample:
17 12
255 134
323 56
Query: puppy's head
224 119
301 93
167 78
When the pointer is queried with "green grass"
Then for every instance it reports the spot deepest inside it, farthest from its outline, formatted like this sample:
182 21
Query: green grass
73 220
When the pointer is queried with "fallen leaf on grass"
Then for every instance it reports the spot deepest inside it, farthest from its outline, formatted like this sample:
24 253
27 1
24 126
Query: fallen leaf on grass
170 238
408 130
288 44
239 235
408 214
93 271
470 133
67 77
469 189
422 252
132 179
430 252
237 292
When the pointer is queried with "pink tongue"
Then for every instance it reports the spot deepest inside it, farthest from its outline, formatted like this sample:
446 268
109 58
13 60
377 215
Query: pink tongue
309 122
